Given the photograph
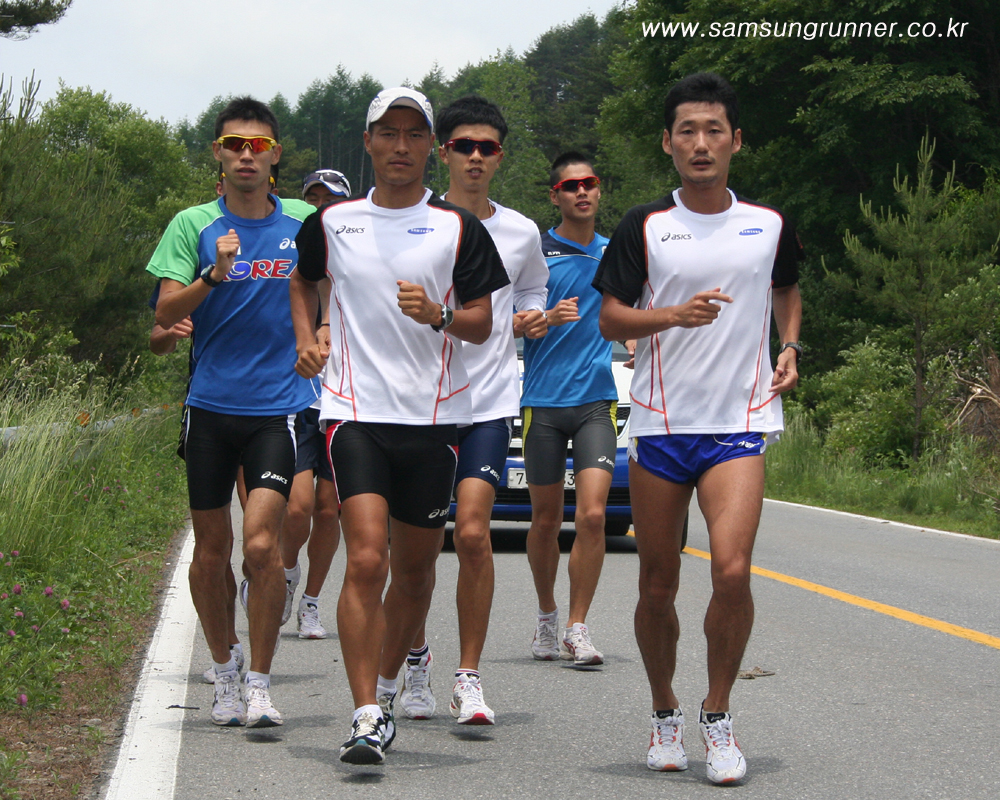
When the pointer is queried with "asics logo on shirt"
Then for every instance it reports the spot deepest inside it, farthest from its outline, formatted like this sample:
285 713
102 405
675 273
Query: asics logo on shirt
264 268
274 477
751 231
348 229
673 237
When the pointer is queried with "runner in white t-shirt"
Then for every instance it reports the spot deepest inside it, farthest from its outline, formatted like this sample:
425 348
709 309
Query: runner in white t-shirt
411 280
471 132
312 503
694 278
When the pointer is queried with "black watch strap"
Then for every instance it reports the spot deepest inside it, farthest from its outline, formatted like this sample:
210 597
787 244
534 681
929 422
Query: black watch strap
447 317
206 275
792 346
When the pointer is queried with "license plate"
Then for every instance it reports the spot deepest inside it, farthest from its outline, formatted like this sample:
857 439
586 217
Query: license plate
517 479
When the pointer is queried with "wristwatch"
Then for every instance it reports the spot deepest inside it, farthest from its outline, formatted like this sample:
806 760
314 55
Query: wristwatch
206 275
793 346
447 317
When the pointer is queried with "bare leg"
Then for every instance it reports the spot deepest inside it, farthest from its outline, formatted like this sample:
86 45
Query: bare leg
262 565
658 511
325 536
360 617
213 544
730 495
295 530
474 593
543 540
412 557
587 556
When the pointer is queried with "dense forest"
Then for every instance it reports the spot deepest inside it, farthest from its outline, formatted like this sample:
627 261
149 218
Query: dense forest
883 150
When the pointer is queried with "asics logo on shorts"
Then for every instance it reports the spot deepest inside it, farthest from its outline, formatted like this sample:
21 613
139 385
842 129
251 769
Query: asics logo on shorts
438 512
489 469
274 477
605 460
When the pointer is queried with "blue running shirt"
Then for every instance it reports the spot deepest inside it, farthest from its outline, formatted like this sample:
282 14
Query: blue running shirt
571 364
243 350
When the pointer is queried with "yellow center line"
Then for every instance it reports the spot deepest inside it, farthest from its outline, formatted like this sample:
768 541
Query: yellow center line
871 605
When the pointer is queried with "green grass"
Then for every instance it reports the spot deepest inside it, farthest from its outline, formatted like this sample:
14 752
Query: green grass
86 515
953 488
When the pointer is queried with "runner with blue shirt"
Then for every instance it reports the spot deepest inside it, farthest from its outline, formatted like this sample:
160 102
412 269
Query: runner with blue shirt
226 265
569 393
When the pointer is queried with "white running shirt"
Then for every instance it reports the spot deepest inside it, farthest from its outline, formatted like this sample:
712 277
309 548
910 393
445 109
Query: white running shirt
715 378
492 366
384 366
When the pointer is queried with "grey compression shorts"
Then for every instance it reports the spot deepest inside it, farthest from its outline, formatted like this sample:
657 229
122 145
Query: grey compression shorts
546 436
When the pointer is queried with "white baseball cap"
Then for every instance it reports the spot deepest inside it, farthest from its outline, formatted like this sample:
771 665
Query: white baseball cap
400 97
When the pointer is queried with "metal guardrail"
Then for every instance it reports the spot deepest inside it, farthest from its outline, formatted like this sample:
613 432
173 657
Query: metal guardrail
83 420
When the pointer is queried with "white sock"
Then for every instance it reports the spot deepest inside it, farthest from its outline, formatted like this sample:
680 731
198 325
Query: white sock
259 676
548 615
236 648
307 599
229 666
294 573
385 686
375 711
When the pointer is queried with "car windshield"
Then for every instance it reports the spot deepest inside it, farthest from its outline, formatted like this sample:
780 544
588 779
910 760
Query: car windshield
618 351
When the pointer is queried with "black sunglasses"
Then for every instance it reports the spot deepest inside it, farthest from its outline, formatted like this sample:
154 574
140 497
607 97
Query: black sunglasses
487 147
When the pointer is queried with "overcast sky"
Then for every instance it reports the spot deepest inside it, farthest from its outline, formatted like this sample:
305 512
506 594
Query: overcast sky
171 58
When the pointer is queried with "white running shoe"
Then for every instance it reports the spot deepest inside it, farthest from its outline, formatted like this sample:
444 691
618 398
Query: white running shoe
290 587
545 645
577 647
309 625
365 745
417 698
208 676
666 743
228 709
467 705
260 712
385 702
724 761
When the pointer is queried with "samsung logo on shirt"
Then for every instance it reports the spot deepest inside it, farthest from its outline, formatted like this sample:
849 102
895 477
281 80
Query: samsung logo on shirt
420 230
751 231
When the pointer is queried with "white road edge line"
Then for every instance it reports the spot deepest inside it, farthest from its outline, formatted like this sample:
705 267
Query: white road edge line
151 742
885 521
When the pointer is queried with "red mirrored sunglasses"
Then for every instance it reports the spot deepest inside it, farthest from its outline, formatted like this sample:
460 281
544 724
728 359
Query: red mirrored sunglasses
573 184
257 144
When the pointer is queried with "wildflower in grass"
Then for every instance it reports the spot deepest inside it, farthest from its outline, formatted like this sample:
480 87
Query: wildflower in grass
1 554
65 630
19 614
47 591
34 629
17 588
15 553
64 604
22 699
3 596
11 634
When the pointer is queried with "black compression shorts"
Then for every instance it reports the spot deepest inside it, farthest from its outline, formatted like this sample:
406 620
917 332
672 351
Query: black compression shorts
217 444
411 466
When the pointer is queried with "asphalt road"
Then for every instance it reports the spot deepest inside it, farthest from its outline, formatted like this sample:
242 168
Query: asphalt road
862 705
